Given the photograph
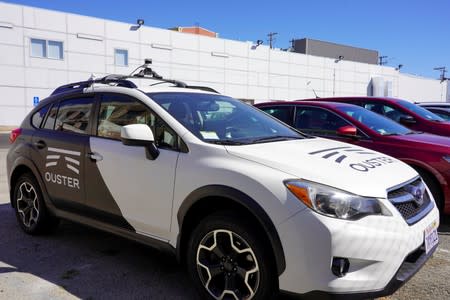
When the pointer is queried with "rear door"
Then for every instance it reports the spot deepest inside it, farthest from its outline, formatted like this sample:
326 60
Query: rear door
59 149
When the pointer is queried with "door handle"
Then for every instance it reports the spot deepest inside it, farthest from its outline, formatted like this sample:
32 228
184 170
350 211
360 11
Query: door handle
95 156
40 144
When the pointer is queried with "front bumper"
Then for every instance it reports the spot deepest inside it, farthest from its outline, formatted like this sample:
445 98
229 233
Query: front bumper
409 267
379 249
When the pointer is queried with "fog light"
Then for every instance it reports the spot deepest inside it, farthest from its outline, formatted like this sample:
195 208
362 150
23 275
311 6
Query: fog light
340 266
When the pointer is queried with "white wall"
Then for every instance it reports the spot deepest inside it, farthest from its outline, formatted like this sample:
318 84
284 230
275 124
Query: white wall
420 89
231 67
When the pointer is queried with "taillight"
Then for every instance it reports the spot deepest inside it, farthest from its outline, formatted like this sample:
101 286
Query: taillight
14 135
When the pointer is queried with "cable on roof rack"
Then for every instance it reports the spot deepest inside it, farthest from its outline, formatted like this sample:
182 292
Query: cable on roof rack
142 72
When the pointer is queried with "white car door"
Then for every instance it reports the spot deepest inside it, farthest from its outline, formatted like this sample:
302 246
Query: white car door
139 190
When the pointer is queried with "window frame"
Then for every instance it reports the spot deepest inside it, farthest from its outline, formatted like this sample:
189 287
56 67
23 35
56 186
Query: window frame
292 110
57 103
181 146
46 48
127 58
44 118
364 135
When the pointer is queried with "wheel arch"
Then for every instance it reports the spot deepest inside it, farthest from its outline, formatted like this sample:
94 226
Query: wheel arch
198 205
438 180
21 166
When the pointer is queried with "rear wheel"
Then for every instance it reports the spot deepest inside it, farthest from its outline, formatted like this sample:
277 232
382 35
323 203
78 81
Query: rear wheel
228 259
31 212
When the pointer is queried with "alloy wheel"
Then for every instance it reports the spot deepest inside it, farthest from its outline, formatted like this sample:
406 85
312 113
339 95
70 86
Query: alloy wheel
27 204
227 266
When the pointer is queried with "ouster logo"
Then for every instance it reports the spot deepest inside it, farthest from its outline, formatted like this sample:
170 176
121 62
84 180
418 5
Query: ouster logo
339 155
71 163
63 156
331 152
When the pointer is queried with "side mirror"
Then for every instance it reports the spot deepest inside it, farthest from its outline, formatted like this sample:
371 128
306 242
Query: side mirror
140 135
407 120
347 131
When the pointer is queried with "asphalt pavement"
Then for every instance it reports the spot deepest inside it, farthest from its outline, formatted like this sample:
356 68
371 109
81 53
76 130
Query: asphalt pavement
76 262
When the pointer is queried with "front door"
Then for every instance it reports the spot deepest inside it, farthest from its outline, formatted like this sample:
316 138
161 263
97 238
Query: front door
121 181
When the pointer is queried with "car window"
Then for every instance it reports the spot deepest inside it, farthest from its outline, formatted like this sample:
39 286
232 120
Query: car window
120 110
51 118
223 120
386 110
375 122
318 121
38 116
424 113
441 113
73 115
282 113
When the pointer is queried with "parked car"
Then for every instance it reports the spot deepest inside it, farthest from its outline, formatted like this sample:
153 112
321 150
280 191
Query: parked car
428 154
434 104
444 113
401 111
250 205
442 109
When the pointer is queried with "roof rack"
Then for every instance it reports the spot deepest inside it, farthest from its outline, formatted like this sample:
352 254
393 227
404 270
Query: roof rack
145 72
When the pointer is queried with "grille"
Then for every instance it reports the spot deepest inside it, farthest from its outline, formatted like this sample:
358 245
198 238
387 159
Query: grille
411 207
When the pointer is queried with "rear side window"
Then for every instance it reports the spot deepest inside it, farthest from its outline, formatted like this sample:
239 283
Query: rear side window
51 117
318 121
74 115
38 116
282 113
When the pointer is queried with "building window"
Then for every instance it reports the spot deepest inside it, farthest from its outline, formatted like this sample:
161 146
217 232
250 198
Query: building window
46 49
121 57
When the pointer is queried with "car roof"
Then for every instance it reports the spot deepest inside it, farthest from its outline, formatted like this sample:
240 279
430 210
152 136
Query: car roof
312 102
433 103
339 99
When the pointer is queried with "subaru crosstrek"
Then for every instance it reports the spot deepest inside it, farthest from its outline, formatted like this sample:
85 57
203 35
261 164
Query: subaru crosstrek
250 205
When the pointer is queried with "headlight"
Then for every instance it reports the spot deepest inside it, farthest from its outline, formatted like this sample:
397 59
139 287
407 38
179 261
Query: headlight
335 203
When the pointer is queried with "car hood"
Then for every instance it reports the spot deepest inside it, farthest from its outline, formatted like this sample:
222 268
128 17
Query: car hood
347 167
431 140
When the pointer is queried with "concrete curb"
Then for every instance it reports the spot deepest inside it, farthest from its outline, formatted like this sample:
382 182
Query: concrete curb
7 129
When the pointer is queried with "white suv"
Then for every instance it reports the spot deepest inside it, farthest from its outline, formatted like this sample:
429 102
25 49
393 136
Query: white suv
250 205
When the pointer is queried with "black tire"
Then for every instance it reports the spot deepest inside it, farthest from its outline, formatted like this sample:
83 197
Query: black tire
225 228
30 208
435 189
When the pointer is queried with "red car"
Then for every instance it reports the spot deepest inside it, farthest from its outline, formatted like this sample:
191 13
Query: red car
429 154
401 111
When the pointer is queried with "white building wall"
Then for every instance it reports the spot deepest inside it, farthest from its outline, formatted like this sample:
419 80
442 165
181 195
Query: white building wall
231 67
420 89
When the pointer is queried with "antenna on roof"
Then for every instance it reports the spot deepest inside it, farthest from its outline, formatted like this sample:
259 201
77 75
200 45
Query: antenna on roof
314 91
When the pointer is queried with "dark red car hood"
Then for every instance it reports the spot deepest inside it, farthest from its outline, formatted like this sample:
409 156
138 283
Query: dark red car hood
427 139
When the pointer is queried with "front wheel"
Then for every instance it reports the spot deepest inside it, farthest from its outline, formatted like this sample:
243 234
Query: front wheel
29 205
228 259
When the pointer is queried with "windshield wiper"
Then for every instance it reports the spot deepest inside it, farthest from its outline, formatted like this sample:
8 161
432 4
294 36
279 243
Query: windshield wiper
415 132
390 134
275 138
226 142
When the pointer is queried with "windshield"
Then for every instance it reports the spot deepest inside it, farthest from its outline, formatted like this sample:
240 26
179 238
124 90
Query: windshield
374 121
223 120
424 113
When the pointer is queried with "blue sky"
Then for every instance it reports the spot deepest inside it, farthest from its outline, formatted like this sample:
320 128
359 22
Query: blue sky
410 32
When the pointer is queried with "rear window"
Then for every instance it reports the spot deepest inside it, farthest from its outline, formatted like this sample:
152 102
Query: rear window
36 119
74 115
